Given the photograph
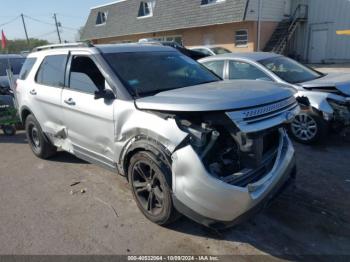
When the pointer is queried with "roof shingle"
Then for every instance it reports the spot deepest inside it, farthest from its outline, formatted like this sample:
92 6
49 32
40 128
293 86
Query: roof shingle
168 15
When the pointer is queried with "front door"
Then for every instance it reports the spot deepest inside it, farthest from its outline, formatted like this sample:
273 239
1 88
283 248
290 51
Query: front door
89 121
318 46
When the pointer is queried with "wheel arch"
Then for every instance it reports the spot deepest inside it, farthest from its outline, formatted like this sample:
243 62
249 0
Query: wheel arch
143 143
25 112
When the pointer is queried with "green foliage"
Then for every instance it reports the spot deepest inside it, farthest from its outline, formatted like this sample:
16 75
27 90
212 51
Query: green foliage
18 45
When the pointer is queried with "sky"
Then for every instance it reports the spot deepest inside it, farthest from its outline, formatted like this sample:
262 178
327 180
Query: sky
38 15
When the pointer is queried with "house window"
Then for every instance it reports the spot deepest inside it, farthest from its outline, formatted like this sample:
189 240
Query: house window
209 2
241 38
146 8
101 18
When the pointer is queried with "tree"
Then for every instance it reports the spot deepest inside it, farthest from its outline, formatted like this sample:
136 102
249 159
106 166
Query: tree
19 45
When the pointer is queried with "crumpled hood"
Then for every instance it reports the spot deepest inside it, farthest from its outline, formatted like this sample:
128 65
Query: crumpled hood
340 81
216 96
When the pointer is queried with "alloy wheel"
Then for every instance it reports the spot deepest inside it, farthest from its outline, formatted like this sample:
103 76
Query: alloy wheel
304 127
148 188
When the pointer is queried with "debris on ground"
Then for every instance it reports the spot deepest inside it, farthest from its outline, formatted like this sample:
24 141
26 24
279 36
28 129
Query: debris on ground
75 183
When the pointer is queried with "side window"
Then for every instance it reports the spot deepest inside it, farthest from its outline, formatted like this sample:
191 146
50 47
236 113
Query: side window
51 71
216 66
26 68
85 76
242 70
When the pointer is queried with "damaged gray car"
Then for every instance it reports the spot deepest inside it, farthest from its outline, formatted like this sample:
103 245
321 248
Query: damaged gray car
325 98
187 142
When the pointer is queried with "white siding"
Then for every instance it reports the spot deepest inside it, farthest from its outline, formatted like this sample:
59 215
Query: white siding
330 15
272 10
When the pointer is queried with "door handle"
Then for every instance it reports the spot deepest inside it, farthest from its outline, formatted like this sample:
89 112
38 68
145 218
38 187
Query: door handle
33 92
70 102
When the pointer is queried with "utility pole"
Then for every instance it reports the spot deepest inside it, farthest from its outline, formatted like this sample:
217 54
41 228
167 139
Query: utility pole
259 25
57 25
25 28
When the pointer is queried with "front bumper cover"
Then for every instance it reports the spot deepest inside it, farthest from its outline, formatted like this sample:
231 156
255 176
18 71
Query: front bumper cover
214 203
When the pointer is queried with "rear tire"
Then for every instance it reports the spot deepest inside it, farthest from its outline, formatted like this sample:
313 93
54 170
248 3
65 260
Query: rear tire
147 178
308 127
38 142
9 130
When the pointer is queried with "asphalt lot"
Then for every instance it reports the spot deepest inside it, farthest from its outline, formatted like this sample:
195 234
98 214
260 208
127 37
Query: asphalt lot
41 213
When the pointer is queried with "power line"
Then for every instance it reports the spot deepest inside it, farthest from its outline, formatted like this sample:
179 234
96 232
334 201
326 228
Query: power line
38 20
45 34
10 21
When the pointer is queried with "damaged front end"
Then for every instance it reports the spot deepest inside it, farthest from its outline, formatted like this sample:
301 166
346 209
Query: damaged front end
232 161
341 113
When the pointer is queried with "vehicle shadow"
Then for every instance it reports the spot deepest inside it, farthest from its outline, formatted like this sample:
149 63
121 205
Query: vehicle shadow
19 138
292 228
65 157
305 222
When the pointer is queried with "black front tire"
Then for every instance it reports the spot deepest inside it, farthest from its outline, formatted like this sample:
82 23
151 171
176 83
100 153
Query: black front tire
38 142
309 127
147 177
9 130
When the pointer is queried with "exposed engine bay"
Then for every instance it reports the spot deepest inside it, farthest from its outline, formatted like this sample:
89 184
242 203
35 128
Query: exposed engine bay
227 153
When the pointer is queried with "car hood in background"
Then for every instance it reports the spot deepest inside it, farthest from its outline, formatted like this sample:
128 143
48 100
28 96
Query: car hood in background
340 81
216 96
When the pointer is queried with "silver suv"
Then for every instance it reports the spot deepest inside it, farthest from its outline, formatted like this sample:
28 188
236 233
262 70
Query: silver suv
187 142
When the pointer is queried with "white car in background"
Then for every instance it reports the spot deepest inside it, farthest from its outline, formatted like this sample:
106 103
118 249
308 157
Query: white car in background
211 50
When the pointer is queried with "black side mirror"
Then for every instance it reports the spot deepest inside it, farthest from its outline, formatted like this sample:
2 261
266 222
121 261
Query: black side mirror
105 94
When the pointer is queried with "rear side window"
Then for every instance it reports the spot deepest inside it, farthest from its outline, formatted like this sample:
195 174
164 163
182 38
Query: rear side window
26 68
52 71
216 66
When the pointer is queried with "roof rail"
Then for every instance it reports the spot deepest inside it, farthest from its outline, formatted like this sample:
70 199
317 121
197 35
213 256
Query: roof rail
56 46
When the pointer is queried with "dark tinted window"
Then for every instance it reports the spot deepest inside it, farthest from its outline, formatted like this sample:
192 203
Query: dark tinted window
216 66
242 70
51 71
14 63
85 76
148 73
26 68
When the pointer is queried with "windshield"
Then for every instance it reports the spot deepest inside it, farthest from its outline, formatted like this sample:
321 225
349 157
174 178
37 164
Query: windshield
220 50
16 65
289 70
148 73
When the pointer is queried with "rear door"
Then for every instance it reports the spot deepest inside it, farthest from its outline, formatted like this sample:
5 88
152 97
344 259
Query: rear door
89 121
46 91
243 70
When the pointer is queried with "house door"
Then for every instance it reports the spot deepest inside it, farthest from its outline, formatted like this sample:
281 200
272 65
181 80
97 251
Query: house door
318 46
